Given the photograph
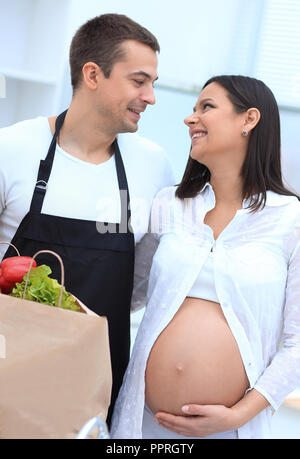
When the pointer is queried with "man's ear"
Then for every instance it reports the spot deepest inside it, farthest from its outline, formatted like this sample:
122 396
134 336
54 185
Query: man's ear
92 75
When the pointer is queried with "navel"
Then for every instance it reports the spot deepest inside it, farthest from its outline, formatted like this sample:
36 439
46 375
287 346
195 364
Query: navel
179 368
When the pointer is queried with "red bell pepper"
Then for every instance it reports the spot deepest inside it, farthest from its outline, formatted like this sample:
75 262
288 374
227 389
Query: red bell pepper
12 270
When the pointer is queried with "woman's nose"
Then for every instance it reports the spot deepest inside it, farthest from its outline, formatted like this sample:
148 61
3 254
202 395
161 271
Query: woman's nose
192 119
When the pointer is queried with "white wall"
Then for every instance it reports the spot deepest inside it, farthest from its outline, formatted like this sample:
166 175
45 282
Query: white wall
33 53
197 38
290 130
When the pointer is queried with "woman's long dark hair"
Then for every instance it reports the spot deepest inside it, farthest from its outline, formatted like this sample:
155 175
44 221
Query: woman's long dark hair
261 170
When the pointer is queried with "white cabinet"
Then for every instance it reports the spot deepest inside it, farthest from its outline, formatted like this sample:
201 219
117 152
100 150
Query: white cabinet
33 57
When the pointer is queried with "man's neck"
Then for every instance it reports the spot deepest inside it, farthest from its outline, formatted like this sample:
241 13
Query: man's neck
81 137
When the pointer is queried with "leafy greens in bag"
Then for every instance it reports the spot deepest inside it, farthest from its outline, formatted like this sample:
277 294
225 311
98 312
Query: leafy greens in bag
44 289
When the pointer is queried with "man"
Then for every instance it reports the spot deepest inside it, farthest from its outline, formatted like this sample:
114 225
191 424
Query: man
88 195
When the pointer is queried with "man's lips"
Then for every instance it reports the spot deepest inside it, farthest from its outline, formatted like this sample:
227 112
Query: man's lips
135 114
136 111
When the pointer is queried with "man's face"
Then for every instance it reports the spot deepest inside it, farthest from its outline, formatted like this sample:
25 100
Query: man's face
123 96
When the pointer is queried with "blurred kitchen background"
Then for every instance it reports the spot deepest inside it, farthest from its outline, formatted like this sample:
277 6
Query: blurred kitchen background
199 39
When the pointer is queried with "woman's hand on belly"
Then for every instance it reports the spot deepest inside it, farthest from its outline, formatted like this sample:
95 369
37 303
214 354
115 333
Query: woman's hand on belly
204 420
200 420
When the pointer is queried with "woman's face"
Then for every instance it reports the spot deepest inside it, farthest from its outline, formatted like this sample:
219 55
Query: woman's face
215 128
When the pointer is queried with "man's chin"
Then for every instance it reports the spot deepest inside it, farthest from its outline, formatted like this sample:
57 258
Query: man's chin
134 128
129 127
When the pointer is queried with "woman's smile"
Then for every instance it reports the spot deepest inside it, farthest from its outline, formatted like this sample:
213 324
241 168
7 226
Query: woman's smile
197 135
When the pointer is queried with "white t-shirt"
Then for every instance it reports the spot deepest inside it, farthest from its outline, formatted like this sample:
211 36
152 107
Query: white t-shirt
76 189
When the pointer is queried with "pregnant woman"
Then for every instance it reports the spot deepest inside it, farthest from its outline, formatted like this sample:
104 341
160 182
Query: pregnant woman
224 287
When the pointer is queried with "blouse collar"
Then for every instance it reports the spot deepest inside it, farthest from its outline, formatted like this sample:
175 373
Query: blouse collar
273 199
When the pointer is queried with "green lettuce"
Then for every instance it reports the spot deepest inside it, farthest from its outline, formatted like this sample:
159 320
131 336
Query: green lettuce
44 289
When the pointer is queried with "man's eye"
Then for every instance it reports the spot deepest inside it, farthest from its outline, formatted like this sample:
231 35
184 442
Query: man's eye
139 82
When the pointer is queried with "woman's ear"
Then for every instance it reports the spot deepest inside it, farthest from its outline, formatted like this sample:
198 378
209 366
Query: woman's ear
251 119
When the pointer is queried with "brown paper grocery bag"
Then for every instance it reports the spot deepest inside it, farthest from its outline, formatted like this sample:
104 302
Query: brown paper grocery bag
55 370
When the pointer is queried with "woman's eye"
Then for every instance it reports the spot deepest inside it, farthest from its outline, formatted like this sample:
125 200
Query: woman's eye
207 105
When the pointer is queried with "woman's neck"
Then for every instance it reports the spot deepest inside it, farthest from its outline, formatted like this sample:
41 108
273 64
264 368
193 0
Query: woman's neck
228 189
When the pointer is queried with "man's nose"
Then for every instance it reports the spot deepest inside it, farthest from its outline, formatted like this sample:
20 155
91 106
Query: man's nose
149 96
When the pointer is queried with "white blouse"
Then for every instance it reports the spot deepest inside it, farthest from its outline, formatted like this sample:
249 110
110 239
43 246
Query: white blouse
257 276
204 286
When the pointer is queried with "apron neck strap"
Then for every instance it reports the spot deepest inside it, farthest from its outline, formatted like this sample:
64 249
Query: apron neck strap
46 167
123 187
51 152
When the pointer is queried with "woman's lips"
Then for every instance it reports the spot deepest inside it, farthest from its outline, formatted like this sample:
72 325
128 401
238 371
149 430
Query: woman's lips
197 136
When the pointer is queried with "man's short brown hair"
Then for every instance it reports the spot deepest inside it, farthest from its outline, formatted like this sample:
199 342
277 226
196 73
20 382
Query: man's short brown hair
99 40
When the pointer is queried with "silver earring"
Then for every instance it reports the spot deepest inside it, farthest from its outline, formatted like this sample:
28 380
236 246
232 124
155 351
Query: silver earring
244 133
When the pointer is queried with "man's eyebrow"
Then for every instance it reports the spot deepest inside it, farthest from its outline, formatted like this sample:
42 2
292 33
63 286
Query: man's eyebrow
203 101
144 74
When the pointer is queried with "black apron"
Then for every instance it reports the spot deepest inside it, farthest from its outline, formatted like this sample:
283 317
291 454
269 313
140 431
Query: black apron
98 265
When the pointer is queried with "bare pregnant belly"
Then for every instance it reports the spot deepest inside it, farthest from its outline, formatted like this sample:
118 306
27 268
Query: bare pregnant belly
195 360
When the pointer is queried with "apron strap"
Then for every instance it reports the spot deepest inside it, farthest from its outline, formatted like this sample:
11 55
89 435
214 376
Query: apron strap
123 188
46 167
